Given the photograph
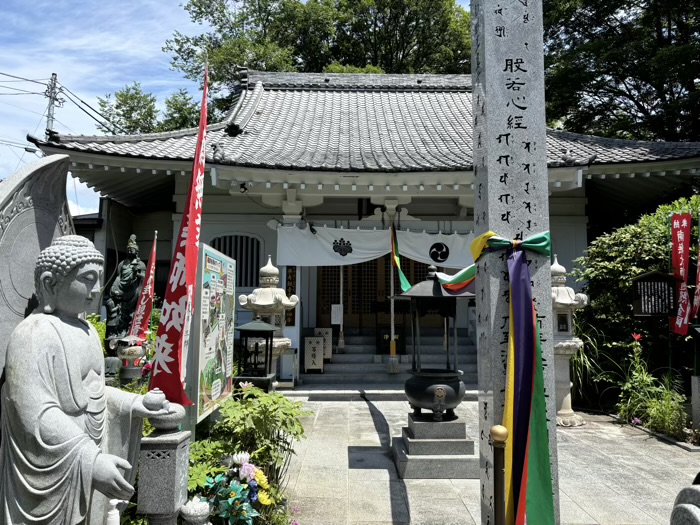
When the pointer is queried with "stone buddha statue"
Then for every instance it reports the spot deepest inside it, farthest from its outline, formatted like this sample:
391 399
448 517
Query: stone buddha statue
67 442
124 292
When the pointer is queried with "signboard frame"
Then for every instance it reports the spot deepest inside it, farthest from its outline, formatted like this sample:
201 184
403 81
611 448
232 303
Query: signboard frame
212 336
663 302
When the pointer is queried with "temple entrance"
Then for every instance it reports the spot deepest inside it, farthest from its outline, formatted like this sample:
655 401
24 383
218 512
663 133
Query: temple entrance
366 290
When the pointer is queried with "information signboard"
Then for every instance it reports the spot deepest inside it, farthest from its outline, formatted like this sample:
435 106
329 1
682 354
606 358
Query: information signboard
654 294
212 327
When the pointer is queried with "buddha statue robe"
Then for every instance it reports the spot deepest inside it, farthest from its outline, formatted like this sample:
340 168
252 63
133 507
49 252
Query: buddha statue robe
56 417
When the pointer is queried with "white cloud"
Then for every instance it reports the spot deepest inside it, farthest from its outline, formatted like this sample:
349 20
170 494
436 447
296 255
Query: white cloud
95 48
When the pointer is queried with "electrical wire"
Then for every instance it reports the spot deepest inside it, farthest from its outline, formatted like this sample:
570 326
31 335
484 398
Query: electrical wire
81 108
21 159
20 94
20 107
22 90
22 78
66 90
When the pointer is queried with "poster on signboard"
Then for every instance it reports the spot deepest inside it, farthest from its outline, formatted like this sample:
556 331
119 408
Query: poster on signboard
212 326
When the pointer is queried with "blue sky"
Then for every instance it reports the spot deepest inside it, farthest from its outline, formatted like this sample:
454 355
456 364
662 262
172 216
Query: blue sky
95 48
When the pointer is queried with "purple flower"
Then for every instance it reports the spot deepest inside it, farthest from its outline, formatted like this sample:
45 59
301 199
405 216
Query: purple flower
295 510
636 421
247 472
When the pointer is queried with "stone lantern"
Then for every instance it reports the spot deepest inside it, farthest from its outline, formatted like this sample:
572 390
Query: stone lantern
564 302
270 304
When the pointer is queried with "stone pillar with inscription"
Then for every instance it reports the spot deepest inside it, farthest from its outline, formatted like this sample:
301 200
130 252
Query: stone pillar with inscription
511 199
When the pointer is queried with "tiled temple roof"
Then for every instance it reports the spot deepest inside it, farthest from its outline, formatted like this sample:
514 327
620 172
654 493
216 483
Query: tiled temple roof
371 123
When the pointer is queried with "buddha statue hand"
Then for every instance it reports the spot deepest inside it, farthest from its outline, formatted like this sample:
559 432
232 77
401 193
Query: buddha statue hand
148 406
108 480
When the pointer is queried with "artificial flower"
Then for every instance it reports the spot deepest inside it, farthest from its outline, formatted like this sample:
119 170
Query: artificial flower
261 478
247 472
264 498
240 458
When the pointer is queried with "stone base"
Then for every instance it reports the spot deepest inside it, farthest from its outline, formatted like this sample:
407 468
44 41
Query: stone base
570 420
266 383
392 365
435 450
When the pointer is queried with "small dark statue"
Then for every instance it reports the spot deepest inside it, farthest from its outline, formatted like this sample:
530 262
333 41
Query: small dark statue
124 292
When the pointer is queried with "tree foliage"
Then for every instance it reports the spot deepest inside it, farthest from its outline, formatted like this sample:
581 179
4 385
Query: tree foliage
396 36
607 269
131 110
624 68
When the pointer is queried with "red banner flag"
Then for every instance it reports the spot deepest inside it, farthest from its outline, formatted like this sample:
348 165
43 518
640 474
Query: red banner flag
680 250
174 329
142 316
696 297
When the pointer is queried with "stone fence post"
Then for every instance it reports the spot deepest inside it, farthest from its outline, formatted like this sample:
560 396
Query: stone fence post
163 469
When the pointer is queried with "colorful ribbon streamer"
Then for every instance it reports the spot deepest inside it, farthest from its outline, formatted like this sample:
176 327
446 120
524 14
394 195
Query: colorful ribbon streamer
528 477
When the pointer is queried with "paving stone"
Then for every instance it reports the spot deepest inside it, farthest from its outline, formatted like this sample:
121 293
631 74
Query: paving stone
444 512
609 474
377 501
314 510
571 514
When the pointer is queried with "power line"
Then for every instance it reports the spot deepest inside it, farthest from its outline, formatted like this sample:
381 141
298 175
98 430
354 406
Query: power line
6 81
20 107
22 90
81 108
22 78
37 127
20 94
66 90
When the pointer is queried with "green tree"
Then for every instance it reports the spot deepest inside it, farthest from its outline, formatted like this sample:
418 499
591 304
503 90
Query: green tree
397 36
624 68
336 67
607 269
181 112
404 36
131 110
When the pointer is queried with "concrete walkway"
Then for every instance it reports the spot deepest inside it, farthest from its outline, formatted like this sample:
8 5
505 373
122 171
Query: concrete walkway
343 473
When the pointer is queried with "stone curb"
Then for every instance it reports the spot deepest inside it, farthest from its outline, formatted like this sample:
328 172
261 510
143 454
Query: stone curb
662 437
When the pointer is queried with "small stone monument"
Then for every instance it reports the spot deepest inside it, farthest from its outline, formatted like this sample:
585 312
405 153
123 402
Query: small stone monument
270 304
124 292
68 442
163 467
564 302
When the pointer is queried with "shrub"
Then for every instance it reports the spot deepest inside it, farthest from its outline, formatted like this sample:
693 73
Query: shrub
264 424
261 427
607 269
101 327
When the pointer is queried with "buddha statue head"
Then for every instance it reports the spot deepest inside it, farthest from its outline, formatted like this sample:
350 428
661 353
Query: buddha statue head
68 276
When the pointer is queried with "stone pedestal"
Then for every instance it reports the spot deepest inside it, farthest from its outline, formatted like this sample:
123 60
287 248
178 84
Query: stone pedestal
563 351
695 400
163 470
430 449
565 301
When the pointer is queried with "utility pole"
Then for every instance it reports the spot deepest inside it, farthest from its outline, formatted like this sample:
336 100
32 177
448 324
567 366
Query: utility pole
52 94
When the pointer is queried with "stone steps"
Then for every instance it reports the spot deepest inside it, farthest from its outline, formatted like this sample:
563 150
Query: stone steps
360 363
